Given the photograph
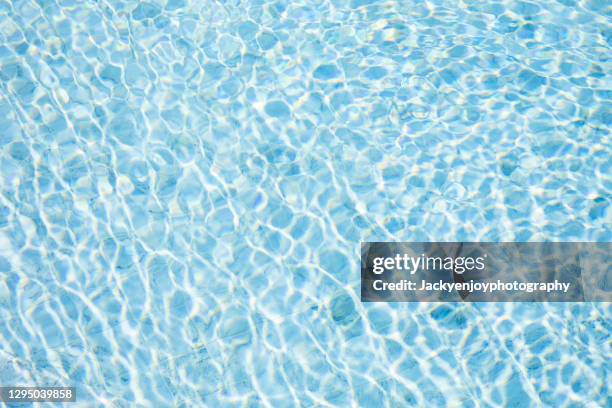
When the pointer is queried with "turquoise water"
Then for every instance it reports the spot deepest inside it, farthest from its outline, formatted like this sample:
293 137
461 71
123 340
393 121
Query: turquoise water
184 187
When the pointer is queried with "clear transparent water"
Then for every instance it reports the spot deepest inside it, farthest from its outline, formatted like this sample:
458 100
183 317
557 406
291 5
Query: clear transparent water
184 187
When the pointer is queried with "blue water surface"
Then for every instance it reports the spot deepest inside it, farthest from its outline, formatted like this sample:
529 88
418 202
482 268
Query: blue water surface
184 186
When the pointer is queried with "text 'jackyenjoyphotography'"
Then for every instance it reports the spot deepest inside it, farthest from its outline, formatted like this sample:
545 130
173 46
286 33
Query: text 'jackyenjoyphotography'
485 272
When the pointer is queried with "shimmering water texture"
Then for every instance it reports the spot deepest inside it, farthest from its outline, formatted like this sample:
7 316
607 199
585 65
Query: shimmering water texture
184 187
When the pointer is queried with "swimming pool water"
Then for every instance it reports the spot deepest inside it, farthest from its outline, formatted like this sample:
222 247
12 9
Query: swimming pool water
184 186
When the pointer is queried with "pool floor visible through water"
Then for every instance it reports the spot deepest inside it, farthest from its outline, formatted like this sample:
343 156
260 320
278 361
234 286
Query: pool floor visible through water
184 187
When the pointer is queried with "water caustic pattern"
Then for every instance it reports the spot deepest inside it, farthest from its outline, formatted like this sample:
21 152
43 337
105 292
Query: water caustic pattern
184 187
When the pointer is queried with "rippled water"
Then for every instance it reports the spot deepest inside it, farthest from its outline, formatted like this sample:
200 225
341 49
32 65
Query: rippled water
184 187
